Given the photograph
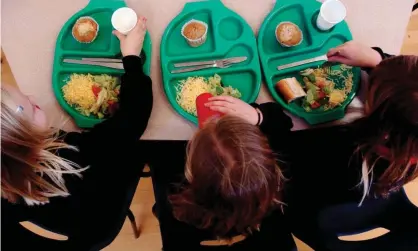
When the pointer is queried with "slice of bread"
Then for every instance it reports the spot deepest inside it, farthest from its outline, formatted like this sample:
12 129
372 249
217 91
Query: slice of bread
291 89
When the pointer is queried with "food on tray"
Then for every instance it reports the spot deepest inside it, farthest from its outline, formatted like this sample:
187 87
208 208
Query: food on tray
92 94
188 90
291 89
85 30
288 34
124 20
195 32
321 90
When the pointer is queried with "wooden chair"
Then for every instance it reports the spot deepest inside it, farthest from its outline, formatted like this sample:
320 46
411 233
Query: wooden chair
106 225
397 214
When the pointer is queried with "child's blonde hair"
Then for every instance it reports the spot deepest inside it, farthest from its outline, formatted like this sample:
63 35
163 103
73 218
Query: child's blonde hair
30 170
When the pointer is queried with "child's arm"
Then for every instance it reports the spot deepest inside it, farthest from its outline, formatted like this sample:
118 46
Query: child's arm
128 123
275 121
276 125
117 136
382 54
272 120
357 54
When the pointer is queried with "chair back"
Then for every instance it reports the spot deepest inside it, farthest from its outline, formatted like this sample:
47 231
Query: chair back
395 213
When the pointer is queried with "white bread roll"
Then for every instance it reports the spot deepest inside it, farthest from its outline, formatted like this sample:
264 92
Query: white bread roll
291 89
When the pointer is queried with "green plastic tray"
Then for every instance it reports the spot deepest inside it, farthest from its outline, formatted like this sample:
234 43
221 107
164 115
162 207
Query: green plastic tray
228 36
105 45
315 43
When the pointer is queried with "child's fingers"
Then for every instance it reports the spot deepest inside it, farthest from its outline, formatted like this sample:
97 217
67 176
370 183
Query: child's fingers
338 51
218 103
228 99
141 23
339 59
222 109
119 35
334 51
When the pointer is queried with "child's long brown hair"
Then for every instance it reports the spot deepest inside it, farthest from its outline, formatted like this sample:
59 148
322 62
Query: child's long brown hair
30 170
233 177
392 121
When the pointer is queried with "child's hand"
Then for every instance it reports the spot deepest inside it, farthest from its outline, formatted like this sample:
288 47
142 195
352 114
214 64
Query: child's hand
233 106
132 43
354 54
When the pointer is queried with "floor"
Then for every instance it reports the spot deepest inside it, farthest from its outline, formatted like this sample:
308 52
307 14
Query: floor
410 45
149 239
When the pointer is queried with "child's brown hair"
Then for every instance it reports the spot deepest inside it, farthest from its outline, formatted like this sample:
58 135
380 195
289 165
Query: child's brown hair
234 180
392 121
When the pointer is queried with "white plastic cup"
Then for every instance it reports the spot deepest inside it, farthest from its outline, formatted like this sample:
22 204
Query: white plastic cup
124 20
332 12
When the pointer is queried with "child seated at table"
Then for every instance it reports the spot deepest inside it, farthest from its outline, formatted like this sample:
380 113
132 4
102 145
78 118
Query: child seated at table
232 197
69 175
234 184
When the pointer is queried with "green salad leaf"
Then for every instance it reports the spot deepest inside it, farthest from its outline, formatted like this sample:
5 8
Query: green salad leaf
219 90
310 96
327 89
310 86
311 78
216 88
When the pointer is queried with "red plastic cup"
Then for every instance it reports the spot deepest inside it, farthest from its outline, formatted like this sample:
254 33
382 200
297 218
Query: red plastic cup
203 112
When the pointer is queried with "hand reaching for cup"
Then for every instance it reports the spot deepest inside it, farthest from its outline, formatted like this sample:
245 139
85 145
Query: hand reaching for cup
132 43
354 54
233 106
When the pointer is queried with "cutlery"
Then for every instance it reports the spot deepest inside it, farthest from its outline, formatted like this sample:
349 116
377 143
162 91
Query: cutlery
302 62
107 64
211 62
225 63
108 60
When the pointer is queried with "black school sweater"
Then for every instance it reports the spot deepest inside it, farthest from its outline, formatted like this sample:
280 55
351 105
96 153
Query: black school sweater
96 199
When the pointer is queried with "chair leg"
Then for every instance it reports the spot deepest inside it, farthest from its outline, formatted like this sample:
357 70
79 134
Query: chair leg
133 223
146 172
154 210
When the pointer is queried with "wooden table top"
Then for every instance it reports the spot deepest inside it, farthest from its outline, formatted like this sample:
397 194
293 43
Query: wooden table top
31 27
